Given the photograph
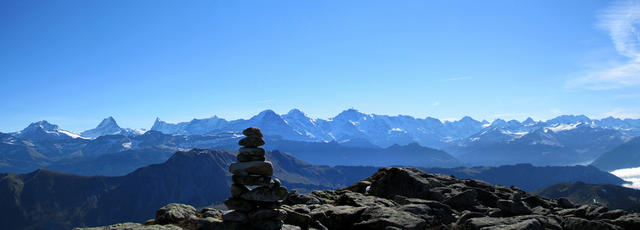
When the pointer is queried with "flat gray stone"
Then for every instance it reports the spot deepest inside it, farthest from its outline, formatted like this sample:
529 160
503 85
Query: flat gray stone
234 216
251 141
266 194
263 168
252 151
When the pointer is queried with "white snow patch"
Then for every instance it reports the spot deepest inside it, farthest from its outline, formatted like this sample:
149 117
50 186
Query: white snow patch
563 127
629 174
71 134
126 145
514 133
396 130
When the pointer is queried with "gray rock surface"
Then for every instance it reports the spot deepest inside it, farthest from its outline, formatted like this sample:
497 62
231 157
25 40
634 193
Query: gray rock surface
262 168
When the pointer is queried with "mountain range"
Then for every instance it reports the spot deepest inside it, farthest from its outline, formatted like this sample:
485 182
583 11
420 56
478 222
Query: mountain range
45 199
349 136
384 130
116 155
380 130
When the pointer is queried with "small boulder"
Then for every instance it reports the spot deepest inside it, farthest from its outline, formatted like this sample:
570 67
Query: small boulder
296 198
298 215
174 213
388 182
211 212
513 207
462 199
234 216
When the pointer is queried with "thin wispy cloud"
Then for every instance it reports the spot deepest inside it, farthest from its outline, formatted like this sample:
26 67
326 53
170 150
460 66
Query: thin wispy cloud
622 22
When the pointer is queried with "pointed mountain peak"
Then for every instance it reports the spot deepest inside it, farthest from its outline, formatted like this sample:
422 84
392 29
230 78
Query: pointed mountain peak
158 122
268 112
108 122
266 115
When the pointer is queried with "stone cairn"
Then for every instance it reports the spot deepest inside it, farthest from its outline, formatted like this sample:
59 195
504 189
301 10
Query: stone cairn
255 207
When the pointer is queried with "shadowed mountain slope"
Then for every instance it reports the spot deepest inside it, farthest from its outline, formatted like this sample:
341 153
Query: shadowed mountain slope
612 196
529 177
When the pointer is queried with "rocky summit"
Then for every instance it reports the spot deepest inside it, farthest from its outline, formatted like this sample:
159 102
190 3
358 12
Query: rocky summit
401 198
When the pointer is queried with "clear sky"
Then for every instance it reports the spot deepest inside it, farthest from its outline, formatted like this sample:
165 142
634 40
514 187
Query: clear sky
76 62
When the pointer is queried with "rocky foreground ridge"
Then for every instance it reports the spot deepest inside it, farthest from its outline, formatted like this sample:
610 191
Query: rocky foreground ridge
407 198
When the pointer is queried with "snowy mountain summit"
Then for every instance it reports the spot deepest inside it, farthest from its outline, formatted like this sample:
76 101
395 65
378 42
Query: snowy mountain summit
108 126
44 130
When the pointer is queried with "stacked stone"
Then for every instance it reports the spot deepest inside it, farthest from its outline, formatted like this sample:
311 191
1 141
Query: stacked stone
257 207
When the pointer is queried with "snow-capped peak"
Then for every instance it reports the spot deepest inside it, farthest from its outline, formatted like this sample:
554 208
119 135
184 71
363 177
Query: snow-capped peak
109 126
43 129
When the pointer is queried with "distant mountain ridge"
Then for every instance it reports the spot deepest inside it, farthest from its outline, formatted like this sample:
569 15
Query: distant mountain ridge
612 196
626 155
564 140
529 177
381 130
384 130
115 155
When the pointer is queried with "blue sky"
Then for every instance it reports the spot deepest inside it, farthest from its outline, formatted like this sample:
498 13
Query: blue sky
76 62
